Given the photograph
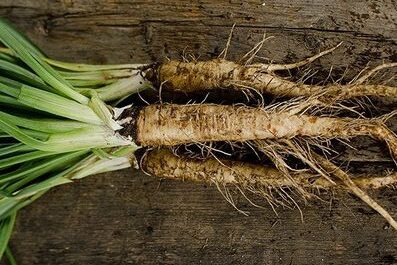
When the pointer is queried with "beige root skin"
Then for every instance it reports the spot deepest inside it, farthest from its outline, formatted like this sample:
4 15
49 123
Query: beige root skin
220 73
262 180
167 125
163 163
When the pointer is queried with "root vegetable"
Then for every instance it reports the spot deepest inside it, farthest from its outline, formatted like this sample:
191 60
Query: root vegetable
164 163
219 73
264 180
158 125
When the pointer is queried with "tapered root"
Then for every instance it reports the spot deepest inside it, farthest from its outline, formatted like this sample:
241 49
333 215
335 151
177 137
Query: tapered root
159 125
164 163
355 189
219 73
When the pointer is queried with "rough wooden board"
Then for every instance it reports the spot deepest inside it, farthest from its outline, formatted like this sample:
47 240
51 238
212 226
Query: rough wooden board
128 218
145 30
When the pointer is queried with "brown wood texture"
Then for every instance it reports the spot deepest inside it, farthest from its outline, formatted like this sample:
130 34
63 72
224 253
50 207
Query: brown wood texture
128 218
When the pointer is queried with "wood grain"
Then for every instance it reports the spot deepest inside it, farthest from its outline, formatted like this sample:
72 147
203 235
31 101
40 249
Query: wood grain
128 218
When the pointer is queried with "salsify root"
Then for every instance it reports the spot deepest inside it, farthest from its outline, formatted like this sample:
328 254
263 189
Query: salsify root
264 180
220 73
167 125
163 163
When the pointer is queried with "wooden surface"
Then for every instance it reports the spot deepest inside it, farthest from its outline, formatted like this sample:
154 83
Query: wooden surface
128 218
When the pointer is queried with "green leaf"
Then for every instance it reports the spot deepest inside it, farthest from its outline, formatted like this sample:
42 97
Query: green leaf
123 87
101 153
20 135
45 125
18 159
19 73
6 227
15 148
101 166
12 102
79 85
98 75
38 169
8 58
10 258
58 105
85 138
91 67
10 91
7 207
11 203
21 38
34 60
100 108
41 186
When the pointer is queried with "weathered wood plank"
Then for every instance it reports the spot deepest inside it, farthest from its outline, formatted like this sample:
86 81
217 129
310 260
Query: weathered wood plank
354 17
147 30
128 218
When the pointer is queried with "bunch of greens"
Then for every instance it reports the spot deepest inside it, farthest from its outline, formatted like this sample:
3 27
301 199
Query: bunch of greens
54 123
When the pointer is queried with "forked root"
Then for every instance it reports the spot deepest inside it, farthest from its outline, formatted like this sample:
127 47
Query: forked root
330 172
355 189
